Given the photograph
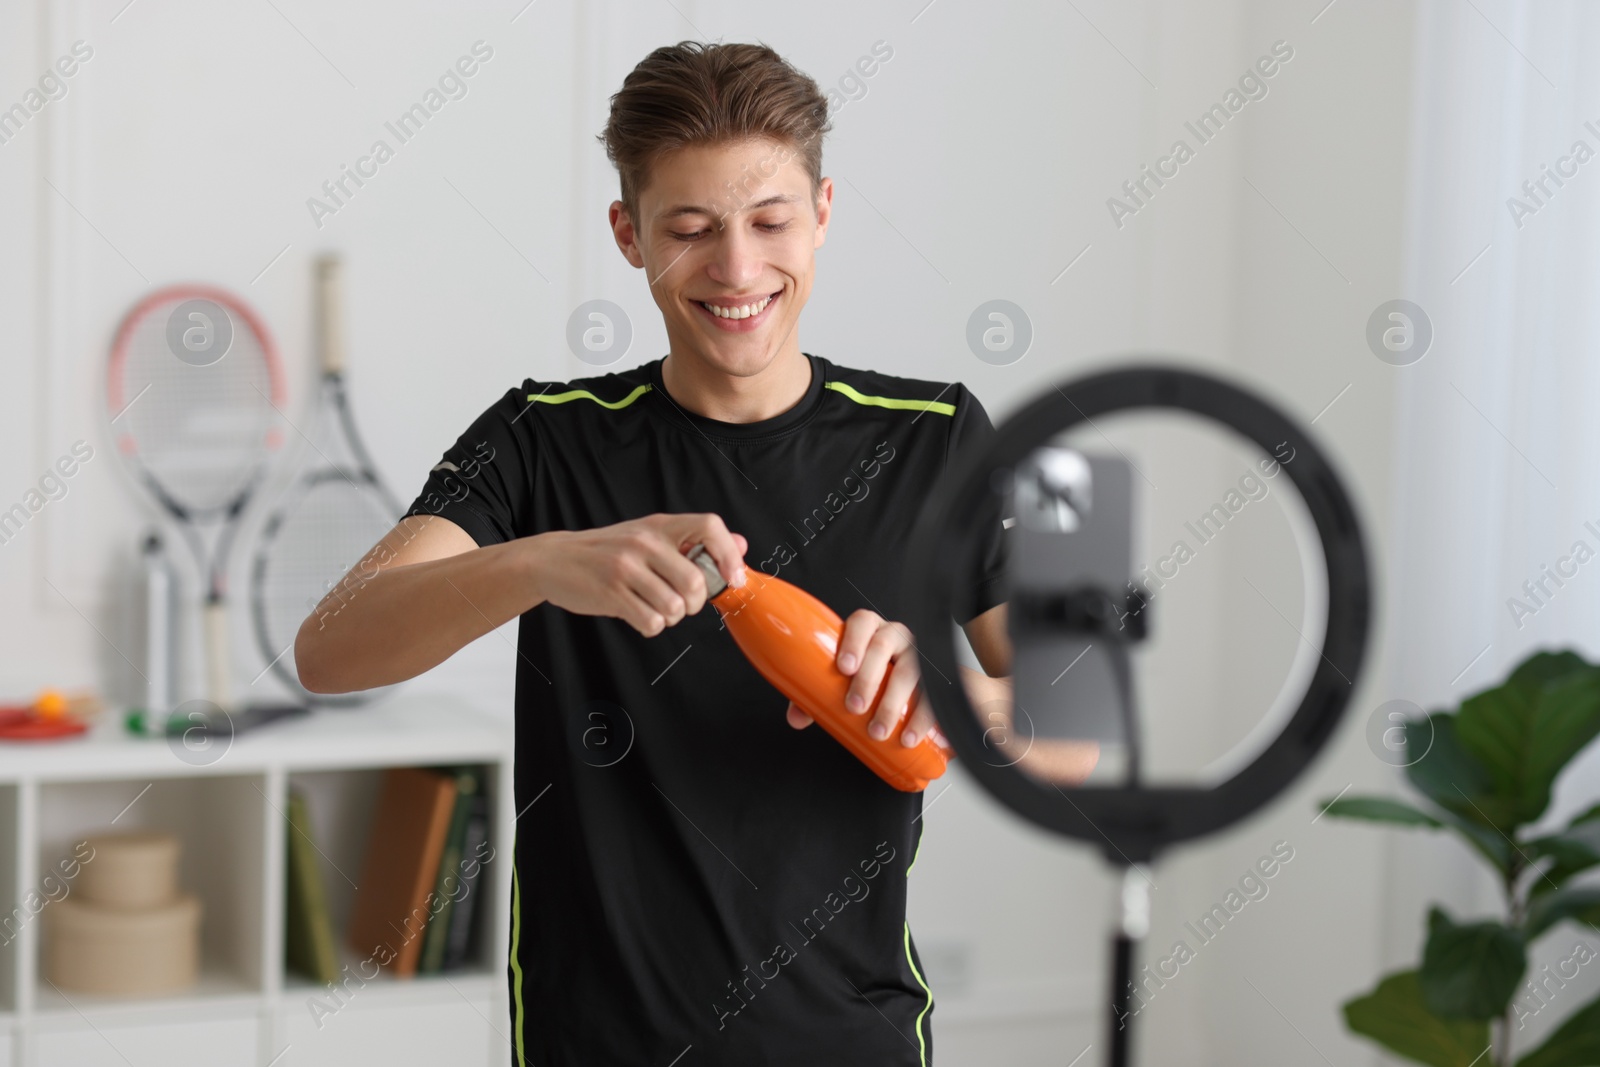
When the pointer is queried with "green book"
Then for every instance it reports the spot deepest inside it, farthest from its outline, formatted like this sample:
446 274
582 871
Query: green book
447 884
308 930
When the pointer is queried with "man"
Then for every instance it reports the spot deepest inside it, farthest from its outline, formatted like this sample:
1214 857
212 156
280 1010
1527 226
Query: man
694 881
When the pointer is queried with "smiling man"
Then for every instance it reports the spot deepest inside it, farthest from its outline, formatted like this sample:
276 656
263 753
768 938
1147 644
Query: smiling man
698 878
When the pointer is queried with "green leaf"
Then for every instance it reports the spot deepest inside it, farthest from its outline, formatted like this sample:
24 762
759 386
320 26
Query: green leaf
1576 1043
1573 850
1394 1016
1581 902
1592 815
1543 667
1494 847
1450 776
1470 970
1379 809
1525 731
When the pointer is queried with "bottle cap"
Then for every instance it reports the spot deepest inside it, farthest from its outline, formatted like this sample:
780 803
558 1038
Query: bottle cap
715 583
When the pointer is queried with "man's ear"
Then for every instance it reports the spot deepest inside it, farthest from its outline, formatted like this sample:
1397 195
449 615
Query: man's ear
824 209
627 237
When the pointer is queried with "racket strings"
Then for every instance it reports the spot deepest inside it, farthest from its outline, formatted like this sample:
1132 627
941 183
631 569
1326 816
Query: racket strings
318 539
201 431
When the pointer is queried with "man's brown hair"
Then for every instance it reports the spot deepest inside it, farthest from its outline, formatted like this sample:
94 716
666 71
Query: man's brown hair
694 94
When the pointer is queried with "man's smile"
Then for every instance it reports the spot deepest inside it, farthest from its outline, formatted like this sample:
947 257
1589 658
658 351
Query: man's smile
738 314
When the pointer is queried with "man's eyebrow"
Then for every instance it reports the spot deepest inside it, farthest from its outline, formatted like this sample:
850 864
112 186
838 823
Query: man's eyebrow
695 209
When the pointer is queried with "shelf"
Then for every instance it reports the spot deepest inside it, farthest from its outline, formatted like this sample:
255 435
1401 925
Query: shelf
18 914
220 823
387 989
216 992
407 728
340 805
230 816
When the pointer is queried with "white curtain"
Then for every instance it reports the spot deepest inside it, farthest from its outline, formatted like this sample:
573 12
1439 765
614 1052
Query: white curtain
1497 464
1498 442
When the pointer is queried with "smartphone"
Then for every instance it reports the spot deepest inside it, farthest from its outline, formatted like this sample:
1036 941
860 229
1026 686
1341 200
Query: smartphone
1074 527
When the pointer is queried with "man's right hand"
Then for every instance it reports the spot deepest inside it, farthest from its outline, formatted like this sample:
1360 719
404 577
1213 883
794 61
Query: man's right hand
427 590
635 571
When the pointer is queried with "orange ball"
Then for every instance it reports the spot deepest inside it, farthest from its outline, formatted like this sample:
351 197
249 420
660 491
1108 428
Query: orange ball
50 705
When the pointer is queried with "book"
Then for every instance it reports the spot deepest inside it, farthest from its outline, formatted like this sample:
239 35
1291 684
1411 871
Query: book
463 937
308 929
392 906
447 887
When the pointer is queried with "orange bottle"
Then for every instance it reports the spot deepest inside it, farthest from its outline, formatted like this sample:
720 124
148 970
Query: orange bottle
792 638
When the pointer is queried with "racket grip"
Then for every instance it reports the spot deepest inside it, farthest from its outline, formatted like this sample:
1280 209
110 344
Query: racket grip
160 605
330 318
218 685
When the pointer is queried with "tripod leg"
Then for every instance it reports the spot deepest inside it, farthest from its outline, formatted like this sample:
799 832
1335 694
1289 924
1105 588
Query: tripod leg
1121 996
1133 923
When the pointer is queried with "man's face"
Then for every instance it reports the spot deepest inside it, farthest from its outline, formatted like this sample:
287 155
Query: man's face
731 226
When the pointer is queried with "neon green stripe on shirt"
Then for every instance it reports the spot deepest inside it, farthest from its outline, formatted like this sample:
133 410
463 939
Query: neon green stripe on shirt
584 394
892 402
516 951
922 1042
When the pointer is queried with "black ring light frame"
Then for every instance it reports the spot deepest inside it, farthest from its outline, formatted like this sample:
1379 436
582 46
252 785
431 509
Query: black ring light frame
1131 824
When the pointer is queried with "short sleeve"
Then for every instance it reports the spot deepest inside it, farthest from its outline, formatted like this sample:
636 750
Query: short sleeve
484 481
983 586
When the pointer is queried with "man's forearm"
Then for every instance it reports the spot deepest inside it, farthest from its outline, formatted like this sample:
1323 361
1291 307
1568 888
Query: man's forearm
983 689
384 624
1053 759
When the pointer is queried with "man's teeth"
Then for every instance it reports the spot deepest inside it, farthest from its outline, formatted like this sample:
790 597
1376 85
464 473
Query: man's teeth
739 312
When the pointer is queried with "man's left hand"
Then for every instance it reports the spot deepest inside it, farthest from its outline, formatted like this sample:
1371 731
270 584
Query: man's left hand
870 648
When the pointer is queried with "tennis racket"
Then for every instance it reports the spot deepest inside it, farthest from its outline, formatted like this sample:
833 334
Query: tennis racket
193 387
331 515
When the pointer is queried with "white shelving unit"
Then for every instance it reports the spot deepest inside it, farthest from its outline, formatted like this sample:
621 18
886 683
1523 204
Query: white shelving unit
230 815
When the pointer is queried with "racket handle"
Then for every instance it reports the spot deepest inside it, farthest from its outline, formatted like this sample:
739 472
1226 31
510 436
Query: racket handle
330 318
217 681
159 613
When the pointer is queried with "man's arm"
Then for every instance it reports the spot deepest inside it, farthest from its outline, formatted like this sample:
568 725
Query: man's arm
1053 759
872 647
426 590
992 645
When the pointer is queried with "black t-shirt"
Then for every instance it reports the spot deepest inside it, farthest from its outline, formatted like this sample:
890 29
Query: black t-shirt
696 883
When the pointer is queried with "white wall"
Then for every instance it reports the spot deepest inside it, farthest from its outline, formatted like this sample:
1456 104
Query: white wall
977 166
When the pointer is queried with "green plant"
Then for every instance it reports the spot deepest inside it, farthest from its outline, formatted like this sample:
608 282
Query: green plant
1488 769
